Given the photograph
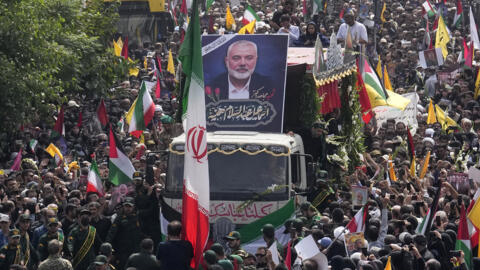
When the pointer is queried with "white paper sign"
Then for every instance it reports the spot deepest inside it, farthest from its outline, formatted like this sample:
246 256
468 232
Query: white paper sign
407 116
307 248
474 173
273 249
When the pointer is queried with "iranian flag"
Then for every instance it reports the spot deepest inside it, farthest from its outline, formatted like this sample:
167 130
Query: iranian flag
429 10
357 224
94 182
463 238
196 187
120 168
457 20
141 112
249 15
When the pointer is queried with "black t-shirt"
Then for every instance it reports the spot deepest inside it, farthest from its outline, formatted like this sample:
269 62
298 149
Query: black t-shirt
175 254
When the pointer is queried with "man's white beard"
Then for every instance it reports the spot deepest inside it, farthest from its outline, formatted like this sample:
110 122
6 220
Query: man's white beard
239 75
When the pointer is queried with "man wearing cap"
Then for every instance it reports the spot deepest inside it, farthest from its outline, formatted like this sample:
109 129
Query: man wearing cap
101 263
125 234
51 234
268 232
310 213
27 249
83 241
233 241
55 260
4 226
10 253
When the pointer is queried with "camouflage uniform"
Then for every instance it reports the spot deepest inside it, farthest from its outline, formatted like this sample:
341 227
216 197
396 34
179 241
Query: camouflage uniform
55 262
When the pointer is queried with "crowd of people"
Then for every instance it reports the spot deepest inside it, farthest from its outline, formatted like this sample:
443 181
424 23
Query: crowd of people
48 220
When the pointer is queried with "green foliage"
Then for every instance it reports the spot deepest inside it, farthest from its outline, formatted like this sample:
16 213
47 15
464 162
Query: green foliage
310 103
51 51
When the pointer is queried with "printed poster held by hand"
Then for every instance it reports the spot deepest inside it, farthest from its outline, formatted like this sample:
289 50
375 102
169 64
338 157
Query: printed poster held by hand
307 249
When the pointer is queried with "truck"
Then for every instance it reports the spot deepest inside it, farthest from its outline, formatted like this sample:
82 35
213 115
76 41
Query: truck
252 176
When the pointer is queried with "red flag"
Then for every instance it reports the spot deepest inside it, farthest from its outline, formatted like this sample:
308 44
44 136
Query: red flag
159 64
125 49
18 160
365 105
341 13
304 12
157 88
468 53
288 260
411 146
102 113
59 128
80 119
183 8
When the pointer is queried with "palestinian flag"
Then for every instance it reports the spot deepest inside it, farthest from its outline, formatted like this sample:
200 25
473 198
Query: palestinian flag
120 167
429 10
252 234
141 112
59 128
377 94
249 15
457 20
94 183
102 113
424 226
463 238
357 224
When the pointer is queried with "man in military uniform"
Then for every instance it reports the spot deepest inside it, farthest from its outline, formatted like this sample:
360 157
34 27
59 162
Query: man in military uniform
51 234
268 233
10 253
125 234
310 213
233 242
83 242
55 260
144 259
146 203
29 254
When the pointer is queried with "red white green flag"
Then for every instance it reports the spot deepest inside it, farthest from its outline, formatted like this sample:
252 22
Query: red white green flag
249 15
120 168
457 20
94 183
463 238
141 112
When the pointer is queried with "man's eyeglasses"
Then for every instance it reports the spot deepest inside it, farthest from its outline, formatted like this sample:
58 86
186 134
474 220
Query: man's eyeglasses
260 255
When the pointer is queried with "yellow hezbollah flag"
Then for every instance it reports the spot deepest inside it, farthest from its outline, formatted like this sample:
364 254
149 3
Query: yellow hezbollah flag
117 48
129 114
156 5
425 165
386 79
391 171
382 15
474 214
379 68
53 150
413 171
133 71
248 29
477 90
444 119
229 20
145 63
442 37
170 65
431 119
120 42
389 264
394 100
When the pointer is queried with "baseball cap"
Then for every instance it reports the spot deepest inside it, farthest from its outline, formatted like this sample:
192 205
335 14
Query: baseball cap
325 242
100 260
233 235
130 201
4 218
210 256
268 230
52 221
14 233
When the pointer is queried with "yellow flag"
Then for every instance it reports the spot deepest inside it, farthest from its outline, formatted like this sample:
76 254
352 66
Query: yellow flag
156 5
442 37
53 150
386 79
379 68
474 214
145 63
394 100
117 48
382 15
170 65
389 264
391 171
229 20
248 29
73 166
444 119
413 168
142 139
477 90
133 71
425 165
120 42
128 116
431 119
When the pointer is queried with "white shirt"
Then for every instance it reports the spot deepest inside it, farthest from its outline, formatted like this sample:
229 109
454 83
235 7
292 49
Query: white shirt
357 30
293 34
235 93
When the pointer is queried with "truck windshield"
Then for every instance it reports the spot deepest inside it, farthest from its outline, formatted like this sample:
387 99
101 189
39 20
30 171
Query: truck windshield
235 173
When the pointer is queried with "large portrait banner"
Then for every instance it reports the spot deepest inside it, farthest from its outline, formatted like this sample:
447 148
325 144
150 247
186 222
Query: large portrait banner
245 78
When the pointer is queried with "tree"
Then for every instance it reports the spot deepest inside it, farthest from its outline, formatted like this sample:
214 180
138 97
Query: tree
52 51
